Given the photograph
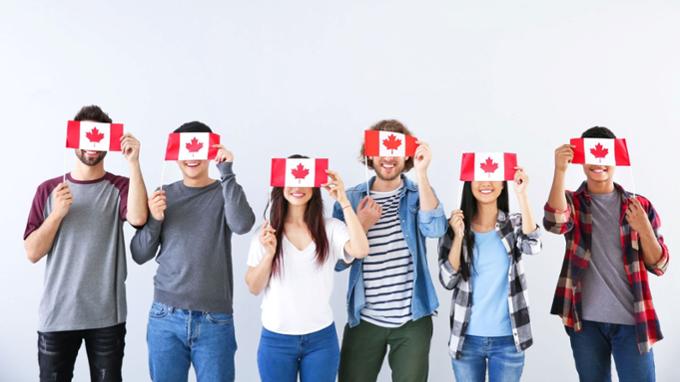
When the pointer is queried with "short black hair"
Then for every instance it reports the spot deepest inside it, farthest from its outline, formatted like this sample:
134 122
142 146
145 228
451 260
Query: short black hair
92 113
193 127
598 132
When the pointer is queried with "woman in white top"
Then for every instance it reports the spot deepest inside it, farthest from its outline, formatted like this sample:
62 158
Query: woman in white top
292 260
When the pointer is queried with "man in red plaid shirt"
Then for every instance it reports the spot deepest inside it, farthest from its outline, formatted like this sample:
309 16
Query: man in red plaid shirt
603 297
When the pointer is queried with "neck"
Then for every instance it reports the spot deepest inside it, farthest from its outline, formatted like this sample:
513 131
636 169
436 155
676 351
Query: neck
487 215
197 182
595 187
296 214
85 172
382 185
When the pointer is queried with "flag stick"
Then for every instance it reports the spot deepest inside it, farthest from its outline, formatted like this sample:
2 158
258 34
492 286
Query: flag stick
162 175
63 179
632 180
368 190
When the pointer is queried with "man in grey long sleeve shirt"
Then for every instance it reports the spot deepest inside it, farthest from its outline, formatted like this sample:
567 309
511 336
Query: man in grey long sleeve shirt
192 221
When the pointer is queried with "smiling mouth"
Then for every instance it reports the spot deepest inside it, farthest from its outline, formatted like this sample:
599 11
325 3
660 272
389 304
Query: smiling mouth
485 192
388 166
599 170
297 195
91 153
192 164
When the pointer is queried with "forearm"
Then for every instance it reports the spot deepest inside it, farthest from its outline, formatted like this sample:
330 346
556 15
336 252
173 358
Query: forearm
528 222
557 198
144 244
650 248
237 211
357 246
257 277
137 212
455 252
428 200
39 242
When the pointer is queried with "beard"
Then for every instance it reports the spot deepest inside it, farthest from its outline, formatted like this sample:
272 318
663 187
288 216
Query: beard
90 161
381 176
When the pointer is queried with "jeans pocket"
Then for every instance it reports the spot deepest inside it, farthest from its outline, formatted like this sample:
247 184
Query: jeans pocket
158 310
220 318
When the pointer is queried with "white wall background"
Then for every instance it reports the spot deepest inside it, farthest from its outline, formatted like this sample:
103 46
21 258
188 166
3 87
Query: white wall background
276 78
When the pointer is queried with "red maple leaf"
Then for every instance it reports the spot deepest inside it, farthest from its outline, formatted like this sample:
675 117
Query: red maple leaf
391 143
94 135
489 166
194 145
300 172
599 151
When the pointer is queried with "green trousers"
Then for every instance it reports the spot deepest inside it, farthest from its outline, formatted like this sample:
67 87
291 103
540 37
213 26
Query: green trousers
364 348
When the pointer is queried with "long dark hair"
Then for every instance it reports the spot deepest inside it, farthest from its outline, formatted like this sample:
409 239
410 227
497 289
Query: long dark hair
468 204
314 219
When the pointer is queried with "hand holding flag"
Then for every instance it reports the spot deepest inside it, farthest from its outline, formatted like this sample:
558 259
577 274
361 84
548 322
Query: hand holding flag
223 155
422 157
336 187
521 180
130 147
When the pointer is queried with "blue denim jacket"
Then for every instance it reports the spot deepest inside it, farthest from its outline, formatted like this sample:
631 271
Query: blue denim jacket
417 225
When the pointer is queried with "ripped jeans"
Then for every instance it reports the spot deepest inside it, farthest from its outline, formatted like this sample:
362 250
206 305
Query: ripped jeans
57 352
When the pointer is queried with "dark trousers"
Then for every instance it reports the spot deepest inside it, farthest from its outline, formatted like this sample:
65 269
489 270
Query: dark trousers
364 348
57 352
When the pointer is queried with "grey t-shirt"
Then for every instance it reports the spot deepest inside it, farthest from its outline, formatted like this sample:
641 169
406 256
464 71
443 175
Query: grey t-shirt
194 261
607 294
84 285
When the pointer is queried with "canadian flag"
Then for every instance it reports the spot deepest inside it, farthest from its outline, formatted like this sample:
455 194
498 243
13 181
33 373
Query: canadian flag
388 144
97 136
488 166
192 146
602 151
299 172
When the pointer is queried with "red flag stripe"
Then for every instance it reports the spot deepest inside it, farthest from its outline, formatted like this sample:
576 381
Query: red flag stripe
320 176
467 167
73 135
510 161
116 133
372 143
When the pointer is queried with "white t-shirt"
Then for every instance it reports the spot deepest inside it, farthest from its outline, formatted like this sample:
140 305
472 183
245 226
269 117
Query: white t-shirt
297 300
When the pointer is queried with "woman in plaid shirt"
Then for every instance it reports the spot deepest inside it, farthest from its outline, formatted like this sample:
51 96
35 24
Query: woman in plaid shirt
481 256
603 295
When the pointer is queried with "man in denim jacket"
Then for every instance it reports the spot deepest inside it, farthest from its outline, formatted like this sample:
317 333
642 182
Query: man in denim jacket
390 299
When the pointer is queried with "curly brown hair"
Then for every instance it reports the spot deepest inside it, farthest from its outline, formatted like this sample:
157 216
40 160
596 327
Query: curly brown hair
386 125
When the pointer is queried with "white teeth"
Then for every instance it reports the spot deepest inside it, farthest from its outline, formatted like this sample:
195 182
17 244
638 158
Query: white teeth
486 191
388 165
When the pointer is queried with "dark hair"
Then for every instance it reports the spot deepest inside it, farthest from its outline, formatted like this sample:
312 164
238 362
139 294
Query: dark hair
598 132
314 219
468 204
386 125
92 113
193 127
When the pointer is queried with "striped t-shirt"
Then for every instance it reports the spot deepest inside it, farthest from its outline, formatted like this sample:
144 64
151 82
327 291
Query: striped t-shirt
388 268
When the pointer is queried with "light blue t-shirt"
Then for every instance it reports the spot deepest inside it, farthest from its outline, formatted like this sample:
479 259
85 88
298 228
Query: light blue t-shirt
490 316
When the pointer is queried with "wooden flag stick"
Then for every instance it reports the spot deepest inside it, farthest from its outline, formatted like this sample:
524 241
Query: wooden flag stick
162 175
368 190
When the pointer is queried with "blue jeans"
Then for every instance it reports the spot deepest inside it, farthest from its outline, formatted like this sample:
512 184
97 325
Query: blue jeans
498 354
178 338
594 346
314 356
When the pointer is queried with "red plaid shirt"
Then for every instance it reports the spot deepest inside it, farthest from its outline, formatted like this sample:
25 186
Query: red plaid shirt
575 223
